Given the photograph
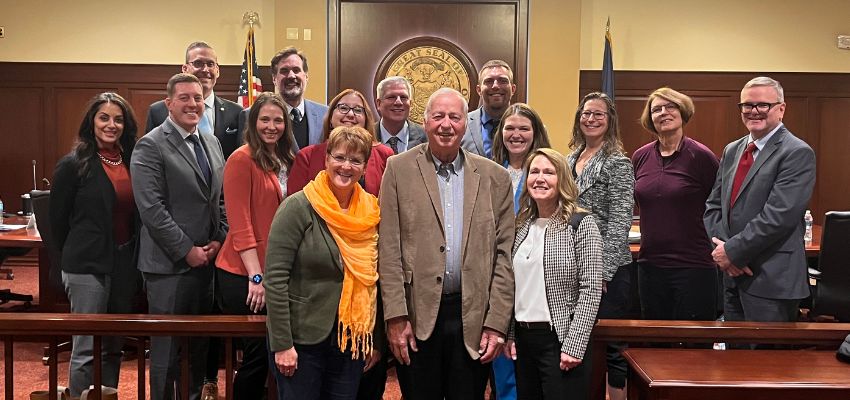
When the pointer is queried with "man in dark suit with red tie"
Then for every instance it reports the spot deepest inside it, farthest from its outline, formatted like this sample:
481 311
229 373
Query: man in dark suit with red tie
754 214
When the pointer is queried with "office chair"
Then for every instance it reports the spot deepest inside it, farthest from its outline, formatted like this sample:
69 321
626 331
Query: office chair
832 293
6 295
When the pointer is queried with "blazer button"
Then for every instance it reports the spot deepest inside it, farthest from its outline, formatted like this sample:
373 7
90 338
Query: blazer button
439 279
442 249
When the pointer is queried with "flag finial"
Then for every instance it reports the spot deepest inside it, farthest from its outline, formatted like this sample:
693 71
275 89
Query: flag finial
608 25
250 18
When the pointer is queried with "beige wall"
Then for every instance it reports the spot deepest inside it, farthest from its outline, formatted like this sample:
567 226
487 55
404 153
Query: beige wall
133 32
566 36
719 35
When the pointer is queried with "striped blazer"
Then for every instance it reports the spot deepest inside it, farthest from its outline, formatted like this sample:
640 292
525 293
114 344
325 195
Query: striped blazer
572 273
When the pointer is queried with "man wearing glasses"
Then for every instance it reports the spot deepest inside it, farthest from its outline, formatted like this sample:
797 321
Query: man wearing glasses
496 89
290 76
754 214
221 116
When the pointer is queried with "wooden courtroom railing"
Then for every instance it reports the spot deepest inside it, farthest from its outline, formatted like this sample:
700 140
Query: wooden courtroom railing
830 335
99 325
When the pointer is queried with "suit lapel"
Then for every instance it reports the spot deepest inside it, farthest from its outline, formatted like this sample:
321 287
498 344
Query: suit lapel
475 130
331 243
471 180
179 143
107 189
429 178
218 109
314 122
729 175
763 155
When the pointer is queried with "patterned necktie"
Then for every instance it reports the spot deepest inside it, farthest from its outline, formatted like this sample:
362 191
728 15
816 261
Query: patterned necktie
205 127
446 170
744 165
296 115
201 157
393 142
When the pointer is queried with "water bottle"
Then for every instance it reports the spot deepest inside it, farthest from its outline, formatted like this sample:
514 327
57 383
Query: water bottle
808 220
1 211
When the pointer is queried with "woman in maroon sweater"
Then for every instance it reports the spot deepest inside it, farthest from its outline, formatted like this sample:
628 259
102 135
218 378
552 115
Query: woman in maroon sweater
673 177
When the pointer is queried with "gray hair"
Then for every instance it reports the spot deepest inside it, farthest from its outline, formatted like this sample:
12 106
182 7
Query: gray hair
393 80
445 91
767 81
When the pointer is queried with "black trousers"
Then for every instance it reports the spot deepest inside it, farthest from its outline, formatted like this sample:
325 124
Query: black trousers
442 368
538 371
250 380
739 305
677 293
621 301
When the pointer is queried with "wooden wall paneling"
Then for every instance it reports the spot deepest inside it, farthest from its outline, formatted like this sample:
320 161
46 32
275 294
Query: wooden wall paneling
363 32
833 170
69 110
21 129
140 100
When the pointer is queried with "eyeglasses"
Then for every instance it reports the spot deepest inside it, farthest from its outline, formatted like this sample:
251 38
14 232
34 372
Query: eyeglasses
659 109
496 82
199 64
345 108
340 159
760 107
594 114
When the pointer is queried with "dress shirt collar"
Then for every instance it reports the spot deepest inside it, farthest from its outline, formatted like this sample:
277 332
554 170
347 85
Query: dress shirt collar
763 141
300 108
183 133
457 163
403 135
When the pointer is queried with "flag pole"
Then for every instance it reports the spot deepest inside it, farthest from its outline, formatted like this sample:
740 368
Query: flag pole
250 17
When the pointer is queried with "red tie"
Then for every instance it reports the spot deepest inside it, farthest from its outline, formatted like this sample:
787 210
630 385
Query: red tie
744 165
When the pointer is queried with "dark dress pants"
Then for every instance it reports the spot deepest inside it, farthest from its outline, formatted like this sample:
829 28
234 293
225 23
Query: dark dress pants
538 371
621 301
442 368
738 305
687 294
250 380
189 293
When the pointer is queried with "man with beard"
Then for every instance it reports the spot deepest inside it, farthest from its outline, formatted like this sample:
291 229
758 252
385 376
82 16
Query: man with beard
495 88
221 116
289 73
754 214
392 99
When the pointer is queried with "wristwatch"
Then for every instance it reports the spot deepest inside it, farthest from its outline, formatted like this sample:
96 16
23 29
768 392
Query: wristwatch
257 279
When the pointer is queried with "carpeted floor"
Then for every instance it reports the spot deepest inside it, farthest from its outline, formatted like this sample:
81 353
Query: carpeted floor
31 375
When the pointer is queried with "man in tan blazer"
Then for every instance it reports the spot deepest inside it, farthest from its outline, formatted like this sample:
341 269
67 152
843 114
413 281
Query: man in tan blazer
447 227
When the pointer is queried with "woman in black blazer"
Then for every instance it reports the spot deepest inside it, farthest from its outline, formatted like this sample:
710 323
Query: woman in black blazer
95 224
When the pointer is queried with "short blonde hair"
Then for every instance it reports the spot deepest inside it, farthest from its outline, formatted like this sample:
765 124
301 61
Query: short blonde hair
685 104
351 138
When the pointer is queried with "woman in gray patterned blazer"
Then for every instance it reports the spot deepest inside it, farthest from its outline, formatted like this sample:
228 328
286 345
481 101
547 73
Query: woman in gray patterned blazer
557 260
606 188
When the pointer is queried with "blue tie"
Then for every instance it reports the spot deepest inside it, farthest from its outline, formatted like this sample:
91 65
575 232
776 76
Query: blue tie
204 126
201 157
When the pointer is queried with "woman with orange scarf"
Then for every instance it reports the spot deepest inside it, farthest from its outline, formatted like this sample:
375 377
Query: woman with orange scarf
321 275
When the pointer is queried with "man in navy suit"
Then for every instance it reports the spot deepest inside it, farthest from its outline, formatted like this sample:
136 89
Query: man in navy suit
754 214
290 76
496 89
221 116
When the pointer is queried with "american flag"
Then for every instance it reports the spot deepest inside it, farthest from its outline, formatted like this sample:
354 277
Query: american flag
249 74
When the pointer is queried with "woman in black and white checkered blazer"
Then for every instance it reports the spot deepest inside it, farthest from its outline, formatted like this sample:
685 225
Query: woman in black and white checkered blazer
558 275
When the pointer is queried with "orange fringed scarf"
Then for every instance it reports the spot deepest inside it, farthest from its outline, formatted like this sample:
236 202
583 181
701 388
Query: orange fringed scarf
356 235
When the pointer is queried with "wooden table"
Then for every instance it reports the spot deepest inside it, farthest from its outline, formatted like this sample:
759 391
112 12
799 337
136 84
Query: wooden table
671 374
812 248
51 293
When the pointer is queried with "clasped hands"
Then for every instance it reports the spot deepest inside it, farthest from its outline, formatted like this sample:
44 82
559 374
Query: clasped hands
199 256
724 263
400 337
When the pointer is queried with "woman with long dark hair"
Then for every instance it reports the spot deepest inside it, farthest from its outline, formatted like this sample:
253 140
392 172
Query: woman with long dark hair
95 224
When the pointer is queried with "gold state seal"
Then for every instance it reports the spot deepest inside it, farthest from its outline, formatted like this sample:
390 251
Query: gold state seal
429 68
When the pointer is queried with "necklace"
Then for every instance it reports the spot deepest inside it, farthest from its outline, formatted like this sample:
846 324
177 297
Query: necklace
110 162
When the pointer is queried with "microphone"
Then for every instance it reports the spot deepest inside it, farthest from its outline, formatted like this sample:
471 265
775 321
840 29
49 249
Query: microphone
34 186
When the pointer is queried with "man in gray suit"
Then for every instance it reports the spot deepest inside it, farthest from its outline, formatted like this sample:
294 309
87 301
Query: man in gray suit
496 89
177 181
222 115
392 99
754 214
290 76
